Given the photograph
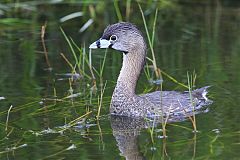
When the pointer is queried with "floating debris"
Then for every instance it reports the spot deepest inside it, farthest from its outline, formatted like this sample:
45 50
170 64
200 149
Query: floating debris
156 82
161 137
48 69
74 95
158 130
153 148
69 75
43 132
73 146
217 131
41 102
13 148
2 98
195 131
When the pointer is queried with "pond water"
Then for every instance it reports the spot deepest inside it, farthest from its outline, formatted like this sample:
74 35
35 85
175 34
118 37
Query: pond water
50 114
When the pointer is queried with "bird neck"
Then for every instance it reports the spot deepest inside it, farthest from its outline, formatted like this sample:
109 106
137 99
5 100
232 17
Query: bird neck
133 63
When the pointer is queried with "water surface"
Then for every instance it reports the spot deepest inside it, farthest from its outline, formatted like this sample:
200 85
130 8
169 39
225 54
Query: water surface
200 37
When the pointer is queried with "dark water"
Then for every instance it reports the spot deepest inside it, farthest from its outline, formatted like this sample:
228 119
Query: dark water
200 37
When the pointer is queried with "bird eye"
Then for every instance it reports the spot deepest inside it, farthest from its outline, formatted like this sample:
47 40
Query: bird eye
113 38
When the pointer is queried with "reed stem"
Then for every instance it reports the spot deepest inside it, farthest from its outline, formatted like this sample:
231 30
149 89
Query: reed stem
150 44
43 31
8 113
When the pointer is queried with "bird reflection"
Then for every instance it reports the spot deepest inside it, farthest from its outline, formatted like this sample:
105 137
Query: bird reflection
127 129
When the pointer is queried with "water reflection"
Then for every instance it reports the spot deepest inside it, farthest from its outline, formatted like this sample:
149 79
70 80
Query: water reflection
126 131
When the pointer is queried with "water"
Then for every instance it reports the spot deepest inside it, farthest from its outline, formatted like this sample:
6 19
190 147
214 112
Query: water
200 37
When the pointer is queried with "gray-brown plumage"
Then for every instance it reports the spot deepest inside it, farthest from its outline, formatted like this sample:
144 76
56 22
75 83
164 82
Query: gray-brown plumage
125 37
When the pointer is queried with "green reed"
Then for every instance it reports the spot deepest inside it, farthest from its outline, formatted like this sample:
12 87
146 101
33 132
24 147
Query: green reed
77 61
150 40
191 83
43 31
154 63
101 100
79 66
117 9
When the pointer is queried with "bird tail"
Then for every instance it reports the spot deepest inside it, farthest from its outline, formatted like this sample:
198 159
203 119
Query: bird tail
201 93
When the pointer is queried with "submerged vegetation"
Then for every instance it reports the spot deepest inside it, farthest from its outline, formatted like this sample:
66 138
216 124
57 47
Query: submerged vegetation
56 94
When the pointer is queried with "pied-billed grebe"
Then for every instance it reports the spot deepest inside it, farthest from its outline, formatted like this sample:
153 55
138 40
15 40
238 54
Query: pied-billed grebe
126 38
